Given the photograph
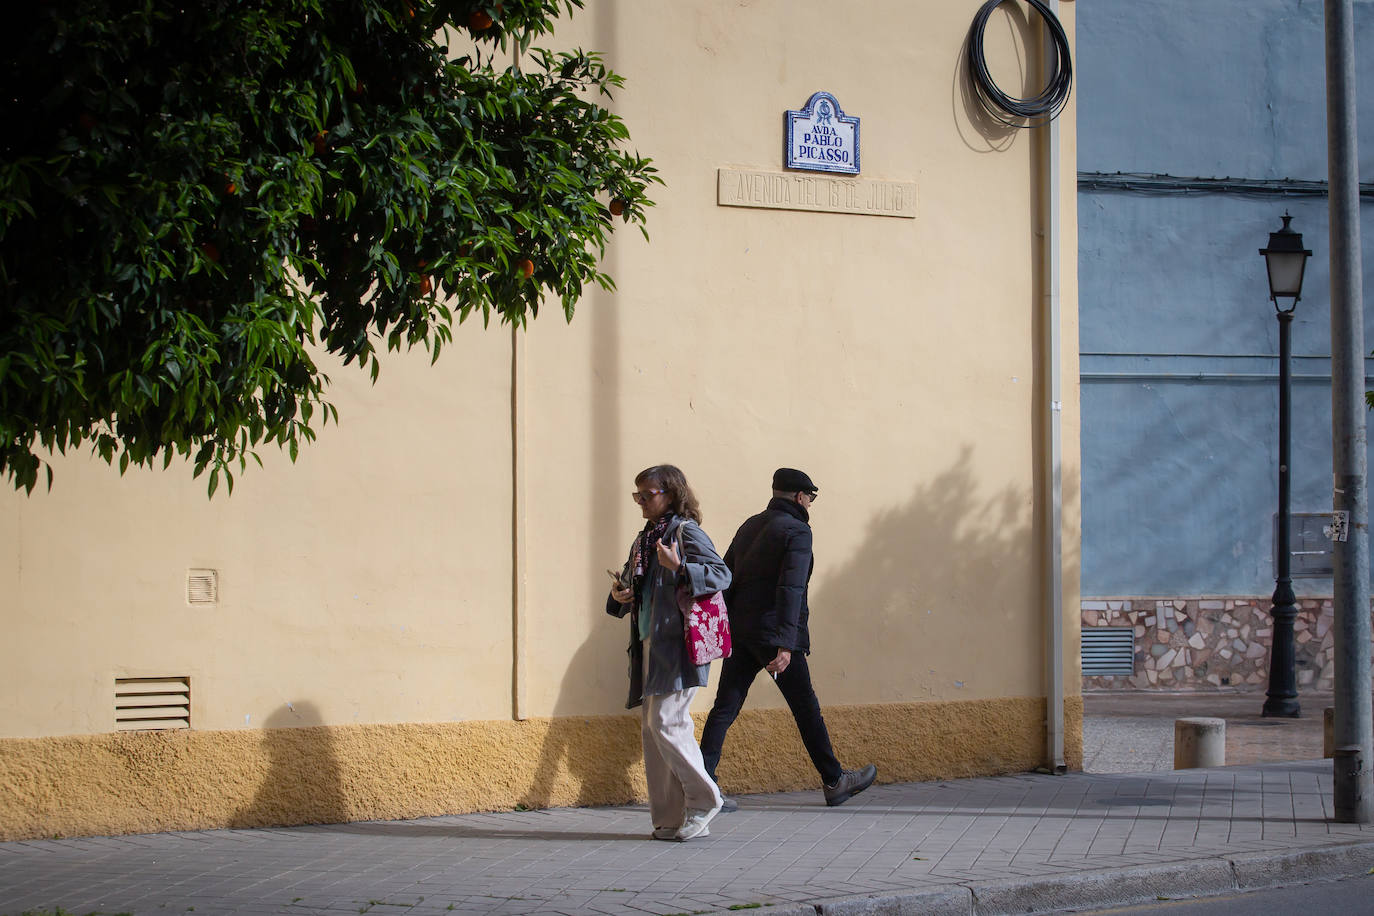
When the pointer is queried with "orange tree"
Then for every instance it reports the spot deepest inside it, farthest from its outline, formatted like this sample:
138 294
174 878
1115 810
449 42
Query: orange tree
198 200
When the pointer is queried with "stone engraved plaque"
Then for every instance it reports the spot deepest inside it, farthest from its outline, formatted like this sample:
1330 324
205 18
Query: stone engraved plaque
821 137
820 193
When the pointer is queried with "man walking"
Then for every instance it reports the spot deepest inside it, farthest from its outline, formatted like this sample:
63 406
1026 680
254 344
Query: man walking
770 563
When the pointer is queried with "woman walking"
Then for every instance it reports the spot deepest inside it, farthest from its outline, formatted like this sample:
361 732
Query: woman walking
671 550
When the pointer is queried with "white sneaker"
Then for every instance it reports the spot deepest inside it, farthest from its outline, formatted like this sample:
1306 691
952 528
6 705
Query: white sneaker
694 824
665 833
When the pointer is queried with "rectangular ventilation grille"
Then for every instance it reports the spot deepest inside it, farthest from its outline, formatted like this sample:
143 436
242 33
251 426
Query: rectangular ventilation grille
150 703
1108 650
202 586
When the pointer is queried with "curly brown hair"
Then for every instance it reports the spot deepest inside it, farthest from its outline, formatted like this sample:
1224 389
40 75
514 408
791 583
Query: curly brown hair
672 481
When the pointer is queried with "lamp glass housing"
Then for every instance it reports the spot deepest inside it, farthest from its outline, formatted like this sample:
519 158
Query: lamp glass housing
1286 261
1285 272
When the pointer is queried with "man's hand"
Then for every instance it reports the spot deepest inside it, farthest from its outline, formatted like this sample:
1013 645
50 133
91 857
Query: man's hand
779 663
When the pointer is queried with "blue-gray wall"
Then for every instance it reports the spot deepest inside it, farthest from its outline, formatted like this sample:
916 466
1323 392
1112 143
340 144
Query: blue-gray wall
1178 338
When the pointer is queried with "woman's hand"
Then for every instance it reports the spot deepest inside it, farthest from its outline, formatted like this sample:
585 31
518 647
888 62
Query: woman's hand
622 594
667 556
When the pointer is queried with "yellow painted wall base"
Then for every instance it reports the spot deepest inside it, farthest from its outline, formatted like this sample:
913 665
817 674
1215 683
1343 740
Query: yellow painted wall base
156 781
909 742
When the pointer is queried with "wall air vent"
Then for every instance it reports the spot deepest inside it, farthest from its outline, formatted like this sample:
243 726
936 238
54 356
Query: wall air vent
152 703
202 586
1108 650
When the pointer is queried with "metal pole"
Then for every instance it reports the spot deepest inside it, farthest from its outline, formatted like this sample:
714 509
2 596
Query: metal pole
1283 687
1353 792
1054 584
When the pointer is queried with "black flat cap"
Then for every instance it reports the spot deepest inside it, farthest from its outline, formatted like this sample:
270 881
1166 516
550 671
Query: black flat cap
791 480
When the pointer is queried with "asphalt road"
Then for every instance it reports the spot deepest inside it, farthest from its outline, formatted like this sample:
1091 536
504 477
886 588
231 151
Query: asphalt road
1353 896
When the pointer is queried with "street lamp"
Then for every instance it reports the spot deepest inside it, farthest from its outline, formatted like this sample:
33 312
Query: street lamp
1286 260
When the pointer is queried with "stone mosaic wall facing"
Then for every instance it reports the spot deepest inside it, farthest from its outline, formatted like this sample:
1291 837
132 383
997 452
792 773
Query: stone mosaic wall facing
1205 643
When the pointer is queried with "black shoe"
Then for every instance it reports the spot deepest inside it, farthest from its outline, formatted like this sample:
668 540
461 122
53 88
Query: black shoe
728 804
851 782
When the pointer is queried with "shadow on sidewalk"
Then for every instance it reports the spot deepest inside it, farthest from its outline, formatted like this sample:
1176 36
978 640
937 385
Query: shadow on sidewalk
422 830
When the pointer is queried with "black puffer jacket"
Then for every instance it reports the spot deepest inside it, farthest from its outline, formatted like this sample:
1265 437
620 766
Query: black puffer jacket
770 565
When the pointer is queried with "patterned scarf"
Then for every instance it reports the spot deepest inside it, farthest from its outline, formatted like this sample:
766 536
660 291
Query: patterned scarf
646 548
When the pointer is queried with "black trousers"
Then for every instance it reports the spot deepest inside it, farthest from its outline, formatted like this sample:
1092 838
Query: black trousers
737 675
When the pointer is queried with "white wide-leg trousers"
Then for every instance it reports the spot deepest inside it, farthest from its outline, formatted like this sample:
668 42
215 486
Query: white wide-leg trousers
672 760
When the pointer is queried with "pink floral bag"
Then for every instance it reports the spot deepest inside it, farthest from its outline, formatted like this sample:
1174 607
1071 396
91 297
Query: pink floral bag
705 623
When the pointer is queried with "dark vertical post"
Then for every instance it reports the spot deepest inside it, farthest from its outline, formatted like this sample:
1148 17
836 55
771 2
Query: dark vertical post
1283 688
1352 731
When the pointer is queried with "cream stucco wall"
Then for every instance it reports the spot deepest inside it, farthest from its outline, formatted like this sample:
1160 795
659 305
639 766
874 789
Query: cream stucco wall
896 360
436 561
346 581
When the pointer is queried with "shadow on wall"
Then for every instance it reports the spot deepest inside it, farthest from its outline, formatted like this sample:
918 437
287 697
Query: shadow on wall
937 588
928 643
302 781
594 759
981 132
590 759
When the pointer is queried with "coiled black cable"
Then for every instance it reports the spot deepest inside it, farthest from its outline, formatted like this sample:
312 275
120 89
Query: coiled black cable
1007 109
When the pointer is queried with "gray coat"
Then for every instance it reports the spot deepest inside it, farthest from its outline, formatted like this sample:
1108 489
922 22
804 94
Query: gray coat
704 572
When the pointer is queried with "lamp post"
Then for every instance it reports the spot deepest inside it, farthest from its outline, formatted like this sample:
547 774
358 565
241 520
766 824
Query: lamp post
1286 260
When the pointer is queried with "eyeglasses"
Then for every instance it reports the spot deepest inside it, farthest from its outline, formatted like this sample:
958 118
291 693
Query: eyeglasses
643 496
811 497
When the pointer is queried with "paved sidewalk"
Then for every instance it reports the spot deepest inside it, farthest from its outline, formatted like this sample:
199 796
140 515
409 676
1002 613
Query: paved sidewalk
1133 731
1011 844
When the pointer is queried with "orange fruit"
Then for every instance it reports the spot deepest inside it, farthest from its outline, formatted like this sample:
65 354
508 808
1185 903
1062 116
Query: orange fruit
479 21
231 188
321 142
526 268
617 208
425 285
211 251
